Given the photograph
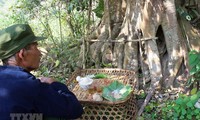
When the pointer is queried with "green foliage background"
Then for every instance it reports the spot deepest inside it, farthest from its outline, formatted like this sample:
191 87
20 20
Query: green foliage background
63 22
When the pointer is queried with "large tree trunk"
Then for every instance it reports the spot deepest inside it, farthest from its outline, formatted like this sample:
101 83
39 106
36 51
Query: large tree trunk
144 36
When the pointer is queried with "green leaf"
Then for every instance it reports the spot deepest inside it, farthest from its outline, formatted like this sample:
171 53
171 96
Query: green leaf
122 90
193 91
194 98
183 111
193 71
189 116
185 100
70 7
175 115
57 63
176 108
140 118
99 9
179 101
198 66
107 65
182 117
192 58
198 94
197 111
189 104
100 75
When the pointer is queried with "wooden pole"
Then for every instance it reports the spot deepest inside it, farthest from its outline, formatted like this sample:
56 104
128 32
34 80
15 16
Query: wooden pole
123 40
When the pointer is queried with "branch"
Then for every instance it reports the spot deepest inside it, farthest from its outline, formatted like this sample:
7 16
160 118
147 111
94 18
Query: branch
123 40
146 101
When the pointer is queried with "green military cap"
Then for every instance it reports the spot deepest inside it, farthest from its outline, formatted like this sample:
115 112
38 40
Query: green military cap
14 38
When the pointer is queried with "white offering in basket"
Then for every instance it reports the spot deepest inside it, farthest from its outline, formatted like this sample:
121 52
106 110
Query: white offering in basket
84 82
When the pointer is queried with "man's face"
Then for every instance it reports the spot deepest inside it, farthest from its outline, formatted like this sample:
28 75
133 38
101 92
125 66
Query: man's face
32 57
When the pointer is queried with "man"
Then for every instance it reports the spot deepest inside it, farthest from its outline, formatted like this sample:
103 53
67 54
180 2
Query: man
21 93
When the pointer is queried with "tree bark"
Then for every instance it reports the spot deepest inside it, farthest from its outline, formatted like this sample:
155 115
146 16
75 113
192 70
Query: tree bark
157 60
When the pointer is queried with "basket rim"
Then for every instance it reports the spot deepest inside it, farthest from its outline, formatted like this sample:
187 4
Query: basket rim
105 102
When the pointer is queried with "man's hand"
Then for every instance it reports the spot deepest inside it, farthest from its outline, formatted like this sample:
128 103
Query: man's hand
46 80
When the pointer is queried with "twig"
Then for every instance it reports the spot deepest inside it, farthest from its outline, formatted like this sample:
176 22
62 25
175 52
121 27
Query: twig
123 40
146 101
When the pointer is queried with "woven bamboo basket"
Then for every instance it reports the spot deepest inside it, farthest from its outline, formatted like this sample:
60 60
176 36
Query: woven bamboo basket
105 110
